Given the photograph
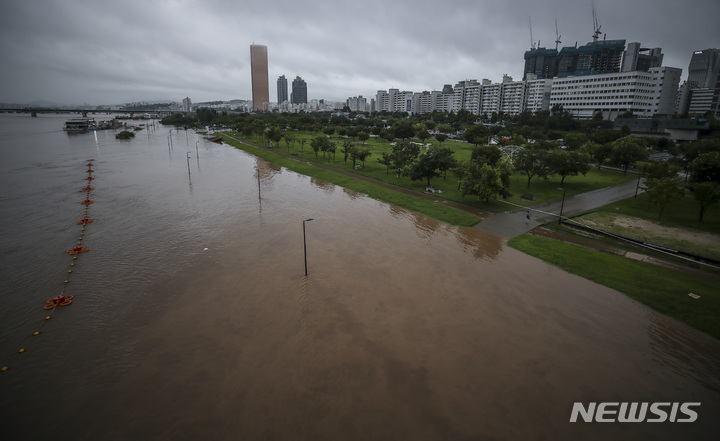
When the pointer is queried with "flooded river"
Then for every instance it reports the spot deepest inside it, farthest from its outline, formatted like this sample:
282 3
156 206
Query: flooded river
193 318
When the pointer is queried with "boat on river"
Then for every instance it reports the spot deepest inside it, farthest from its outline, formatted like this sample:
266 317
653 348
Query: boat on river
78 125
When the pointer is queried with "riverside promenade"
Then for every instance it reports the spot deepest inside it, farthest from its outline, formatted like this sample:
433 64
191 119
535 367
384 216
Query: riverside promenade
514 223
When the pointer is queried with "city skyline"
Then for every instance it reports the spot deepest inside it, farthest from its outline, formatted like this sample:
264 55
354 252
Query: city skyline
68 53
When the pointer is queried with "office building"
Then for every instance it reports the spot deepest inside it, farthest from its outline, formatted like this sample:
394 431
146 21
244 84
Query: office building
282 89
700 94
299 91
636 57
704 68
646 94
259 73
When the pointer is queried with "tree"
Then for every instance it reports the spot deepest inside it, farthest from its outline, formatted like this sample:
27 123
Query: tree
425 167
403 129
706 193
445 128
386 159
575 140
476 134
440 137
483 181
445 160
318 143
627 151
486 154
533 162
346 148
599 152
404 153
564 163
358 153
363 136
706 168
662 184
328 130
290 138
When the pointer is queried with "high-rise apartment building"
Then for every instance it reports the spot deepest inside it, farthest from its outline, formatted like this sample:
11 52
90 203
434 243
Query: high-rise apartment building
282 89
259 72
187 105
299 91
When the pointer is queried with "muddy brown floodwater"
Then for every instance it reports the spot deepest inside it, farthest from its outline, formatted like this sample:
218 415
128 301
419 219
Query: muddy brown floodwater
404 329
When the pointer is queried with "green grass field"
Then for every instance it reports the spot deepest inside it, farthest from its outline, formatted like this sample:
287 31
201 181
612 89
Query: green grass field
662 289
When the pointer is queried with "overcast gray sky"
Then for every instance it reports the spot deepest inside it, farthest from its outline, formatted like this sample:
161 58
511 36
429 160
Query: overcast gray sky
111 52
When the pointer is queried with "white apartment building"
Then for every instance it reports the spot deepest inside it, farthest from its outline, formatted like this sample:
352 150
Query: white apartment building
422 102
512 97
646 94
490 98
357 104
537 94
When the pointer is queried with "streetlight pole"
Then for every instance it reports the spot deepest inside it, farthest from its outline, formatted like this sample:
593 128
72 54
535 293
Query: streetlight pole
562 204
305 244
258 176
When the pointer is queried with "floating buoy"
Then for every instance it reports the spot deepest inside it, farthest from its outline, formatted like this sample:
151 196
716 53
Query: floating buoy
36 333
77 250
21 351
47 317
90 170
84 221
87 202
88 188
58 301
4 369
89 178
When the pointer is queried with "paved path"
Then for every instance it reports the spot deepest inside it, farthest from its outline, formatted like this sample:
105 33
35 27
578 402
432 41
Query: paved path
513 223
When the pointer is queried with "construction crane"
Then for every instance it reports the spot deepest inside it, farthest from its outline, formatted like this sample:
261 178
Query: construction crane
532 42
596 25
557 35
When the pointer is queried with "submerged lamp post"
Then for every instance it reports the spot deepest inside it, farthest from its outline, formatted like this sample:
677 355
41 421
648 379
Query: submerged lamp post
562 204
305 244
258 176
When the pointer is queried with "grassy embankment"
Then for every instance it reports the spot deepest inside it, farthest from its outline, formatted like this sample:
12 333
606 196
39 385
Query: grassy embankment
662 289
543 191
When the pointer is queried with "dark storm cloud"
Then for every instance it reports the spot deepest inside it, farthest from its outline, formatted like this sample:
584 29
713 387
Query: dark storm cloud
100 51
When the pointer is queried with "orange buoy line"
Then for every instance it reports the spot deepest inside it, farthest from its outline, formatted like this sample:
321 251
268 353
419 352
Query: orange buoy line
62 299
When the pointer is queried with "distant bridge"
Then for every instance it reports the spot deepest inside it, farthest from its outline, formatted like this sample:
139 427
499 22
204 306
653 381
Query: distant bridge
85 112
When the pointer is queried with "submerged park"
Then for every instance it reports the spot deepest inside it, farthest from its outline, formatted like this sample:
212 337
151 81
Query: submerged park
460 169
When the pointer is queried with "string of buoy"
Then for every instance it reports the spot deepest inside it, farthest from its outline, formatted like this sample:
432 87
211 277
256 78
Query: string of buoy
62 299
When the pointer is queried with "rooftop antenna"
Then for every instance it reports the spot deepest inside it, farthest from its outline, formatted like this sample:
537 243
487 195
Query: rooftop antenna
596 25
532 42
557 35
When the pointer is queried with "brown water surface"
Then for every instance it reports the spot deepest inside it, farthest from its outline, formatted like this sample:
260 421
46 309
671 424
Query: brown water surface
404 329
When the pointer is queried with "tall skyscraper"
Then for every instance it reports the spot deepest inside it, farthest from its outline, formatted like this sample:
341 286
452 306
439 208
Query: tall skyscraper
282 89
259 72
299 91
704 68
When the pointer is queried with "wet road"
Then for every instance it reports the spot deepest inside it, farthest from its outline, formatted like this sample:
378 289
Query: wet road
514 223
